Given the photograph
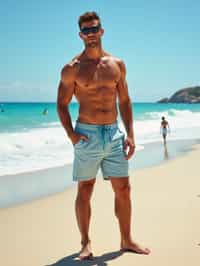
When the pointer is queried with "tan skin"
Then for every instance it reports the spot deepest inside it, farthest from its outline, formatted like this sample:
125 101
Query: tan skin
97 79
164 124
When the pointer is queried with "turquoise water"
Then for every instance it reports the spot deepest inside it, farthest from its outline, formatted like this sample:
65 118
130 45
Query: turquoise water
30 140
23 116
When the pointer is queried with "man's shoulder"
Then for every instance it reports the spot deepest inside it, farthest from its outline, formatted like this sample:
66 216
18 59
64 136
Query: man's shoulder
113 58
117 61
120 63
72 66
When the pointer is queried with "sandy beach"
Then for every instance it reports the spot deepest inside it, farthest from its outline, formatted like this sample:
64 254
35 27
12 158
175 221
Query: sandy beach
165 218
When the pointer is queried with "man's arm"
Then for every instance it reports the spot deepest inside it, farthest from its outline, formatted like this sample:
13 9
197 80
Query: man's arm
125 108
65 93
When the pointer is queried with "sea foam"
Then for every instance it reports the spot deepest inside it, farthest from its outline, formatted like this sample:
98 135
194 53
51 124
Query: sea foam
49 145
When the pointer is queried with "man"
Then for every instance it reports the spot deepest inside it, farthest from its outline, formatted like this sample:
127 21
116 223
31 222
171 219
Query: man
163 128
97 78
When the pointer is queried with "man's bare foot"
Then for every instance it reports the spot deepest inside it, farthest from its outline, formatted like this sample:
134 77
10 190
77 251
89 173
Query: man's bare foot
86 252
134 247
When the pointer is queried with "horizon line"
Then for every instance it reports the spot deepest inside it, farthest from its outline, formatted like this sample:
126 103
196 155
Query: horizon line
3 102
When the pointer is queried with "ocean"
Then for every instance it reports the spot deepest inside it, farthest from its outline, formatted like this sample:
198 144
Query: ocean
31 139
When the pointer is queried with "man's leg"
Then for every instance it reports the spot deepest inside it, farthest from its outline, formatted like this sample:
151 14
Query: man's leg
121 187
83 214
164 138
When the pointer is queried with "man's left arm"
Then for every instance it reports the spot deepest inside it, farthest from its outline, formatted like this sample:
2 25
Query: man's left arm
126 113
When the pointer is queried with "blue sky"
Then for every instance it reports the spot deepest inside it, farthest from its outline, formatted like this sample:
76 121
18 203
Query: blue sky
158 40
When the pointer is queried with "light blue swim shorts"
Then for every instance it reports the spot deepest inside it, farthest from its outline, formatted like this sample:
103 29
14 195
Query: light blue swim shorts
104 149
164 131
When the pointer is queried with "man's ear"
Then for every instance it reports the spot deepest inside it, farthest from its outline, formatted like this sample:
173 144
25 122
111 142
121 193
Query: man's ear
81 35
102 31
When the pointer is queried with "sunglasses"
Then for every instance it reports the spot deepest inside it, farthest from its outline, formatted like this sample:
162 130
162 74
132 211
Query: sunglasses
89 30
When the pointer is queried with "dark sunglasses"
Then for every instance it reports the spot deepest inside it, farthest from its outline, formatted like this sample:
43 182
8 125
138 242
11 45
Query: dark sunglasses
94 29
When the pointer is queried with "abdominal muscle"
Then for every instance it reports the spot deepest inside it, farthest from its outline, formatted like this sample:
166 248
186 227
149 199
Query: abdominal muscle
97 106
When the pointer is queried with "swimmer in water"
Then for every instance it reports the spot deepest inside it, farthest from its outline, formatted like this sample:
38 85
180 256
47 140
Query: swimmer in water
45 112
1 108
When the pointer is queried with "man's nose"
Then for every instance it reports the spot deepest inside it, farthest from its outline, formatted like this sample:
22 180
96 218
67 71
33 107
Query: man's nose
90 34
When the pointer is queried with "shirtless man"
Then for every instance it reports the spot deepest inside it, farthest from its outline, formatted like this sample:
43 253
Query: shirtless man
97 78
163 128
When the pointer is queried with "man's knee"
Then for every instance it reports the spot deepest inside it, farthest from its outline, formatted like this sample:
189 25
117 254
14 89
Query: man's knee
85 189
123 192
121 188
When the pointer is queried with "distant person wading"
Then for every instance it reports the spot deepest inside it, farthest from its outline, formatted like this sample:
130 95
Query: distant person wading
164 128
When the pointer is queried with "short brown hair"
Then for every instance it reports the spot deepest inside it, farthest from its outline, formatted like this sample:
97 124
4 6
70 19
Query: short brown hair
88 16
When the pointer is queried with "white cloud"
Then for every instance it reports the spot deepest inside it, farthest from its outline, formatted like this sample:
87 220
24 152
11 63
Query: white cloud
20 91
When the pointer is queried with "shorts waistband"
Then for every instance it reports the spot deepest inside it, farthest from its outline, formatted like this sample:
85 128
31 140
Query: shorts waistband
96 126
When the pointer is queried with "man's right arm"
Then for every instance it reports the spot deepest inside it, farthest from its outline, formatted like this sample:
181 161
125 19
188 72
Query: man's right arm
65 93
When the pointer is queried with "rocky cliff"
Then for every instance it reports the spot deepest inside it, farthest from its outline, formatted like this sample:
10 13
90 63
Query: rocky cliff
187 95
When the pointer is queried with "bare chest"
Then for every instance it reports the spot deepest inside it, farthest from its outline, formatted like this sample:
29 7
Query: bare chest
94 75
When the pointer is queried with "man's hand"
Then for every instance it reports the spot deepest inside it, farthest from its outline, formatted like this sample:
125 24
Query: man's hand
75 137
129 143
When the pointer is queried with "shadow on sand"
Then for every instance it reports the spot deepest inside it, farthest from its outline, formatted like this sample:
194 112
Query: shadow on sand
72 260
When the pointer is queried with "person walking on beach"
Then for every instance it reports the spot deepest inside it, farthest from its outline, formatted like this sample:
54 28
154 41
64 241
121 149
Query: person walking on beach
97 79
164 127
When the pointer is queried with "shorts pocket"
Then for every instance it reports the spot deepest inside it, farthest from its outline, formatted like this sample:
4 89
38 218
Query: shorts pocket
116 134
78 143
82 143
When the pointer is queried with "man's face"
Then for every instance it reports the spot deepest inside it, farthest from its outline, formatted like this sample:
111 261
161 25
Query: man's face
91 33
